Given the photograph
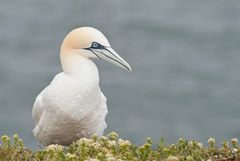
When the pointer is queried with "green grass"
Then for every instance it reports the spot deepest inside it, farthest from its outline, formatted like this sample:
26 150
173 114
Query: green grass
112 148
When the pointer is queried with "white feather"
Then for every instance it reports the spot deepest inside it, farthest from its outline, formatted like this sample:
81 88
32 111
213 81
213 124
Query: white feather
67 110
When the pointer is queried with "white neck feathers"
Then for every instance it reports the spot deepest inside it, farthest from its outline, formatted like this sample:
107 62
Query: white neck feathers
76 65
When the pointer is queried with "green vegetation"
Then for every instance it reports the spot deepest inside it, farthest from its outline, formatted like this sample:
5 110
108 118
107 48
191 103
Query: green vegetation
112 148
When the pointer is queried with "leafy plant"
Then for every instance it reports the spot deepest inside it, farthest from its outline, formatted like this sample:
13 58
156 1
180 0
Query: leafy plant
113 148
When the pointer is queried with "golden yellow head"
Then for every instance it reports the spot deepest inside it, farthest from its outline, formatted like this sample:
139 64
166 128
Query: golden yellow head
91 43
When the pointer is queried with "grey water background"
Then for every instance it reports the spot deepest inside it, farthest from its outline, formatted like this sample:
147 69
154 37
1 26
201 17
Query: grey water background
184 54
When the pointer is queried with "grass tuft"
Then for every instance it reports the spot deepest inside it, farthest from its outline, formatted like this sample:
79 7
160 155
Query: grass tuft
113 148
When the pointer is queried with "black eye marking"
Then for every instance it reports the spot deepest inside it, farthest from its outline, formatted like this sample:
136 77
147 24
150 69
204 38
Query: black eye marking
96 45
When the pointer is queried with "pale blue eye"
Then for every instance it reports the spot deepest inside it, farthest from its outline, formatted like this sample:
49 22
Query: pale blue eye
95 45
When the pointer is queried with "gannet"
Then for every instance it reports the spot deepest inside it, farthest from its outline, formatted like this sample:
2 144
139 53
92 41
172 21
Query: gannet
72 106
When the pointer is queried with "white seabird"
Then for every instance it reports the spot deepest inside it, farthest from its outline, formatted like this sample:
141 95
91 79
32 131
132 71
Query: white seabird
73 106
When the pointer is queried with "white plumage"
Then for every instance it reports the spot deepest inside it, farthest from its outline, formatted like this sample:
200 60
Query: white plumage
73 106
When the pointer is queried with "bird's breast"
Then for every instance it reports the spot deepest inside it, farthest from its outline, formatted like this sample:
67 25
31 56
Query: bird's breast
73 96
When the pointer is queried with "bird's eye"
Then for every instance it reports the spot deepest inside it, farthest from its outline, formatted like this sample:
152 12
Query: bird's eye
95 45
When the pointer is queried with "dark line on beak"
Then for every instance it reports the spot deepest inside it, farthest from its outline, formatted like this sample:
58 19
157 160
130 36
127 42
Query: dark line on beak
93 52
110 52
113 59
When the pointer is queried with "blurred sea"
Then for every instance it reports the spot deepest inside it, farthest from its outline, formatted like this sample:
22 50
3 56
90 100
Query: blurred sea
184 54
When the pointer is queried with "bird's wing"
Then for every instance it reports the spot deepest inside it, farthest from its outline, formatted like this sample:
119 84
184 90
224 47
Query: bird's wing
38 107
103 103
103 112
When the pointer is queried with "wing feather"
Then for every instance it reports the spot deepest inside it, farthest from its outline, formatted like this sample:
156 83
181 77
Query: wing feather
38 107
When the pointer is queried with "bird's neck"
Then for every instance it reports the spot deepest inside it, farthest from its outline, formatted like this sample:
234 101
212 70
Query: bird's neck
80 67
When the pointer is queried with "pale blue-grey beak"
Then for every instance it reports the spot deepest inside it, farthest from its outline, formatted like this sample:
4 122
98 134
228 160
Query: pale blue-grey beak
108 54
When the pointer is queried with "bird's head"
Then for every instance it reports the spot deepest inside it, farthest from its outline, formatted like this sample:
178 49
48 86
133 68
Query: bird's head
91 43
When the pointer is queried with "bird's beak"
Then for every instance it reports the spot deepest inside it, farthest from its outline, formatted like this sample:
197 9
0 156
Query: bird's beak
108 54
